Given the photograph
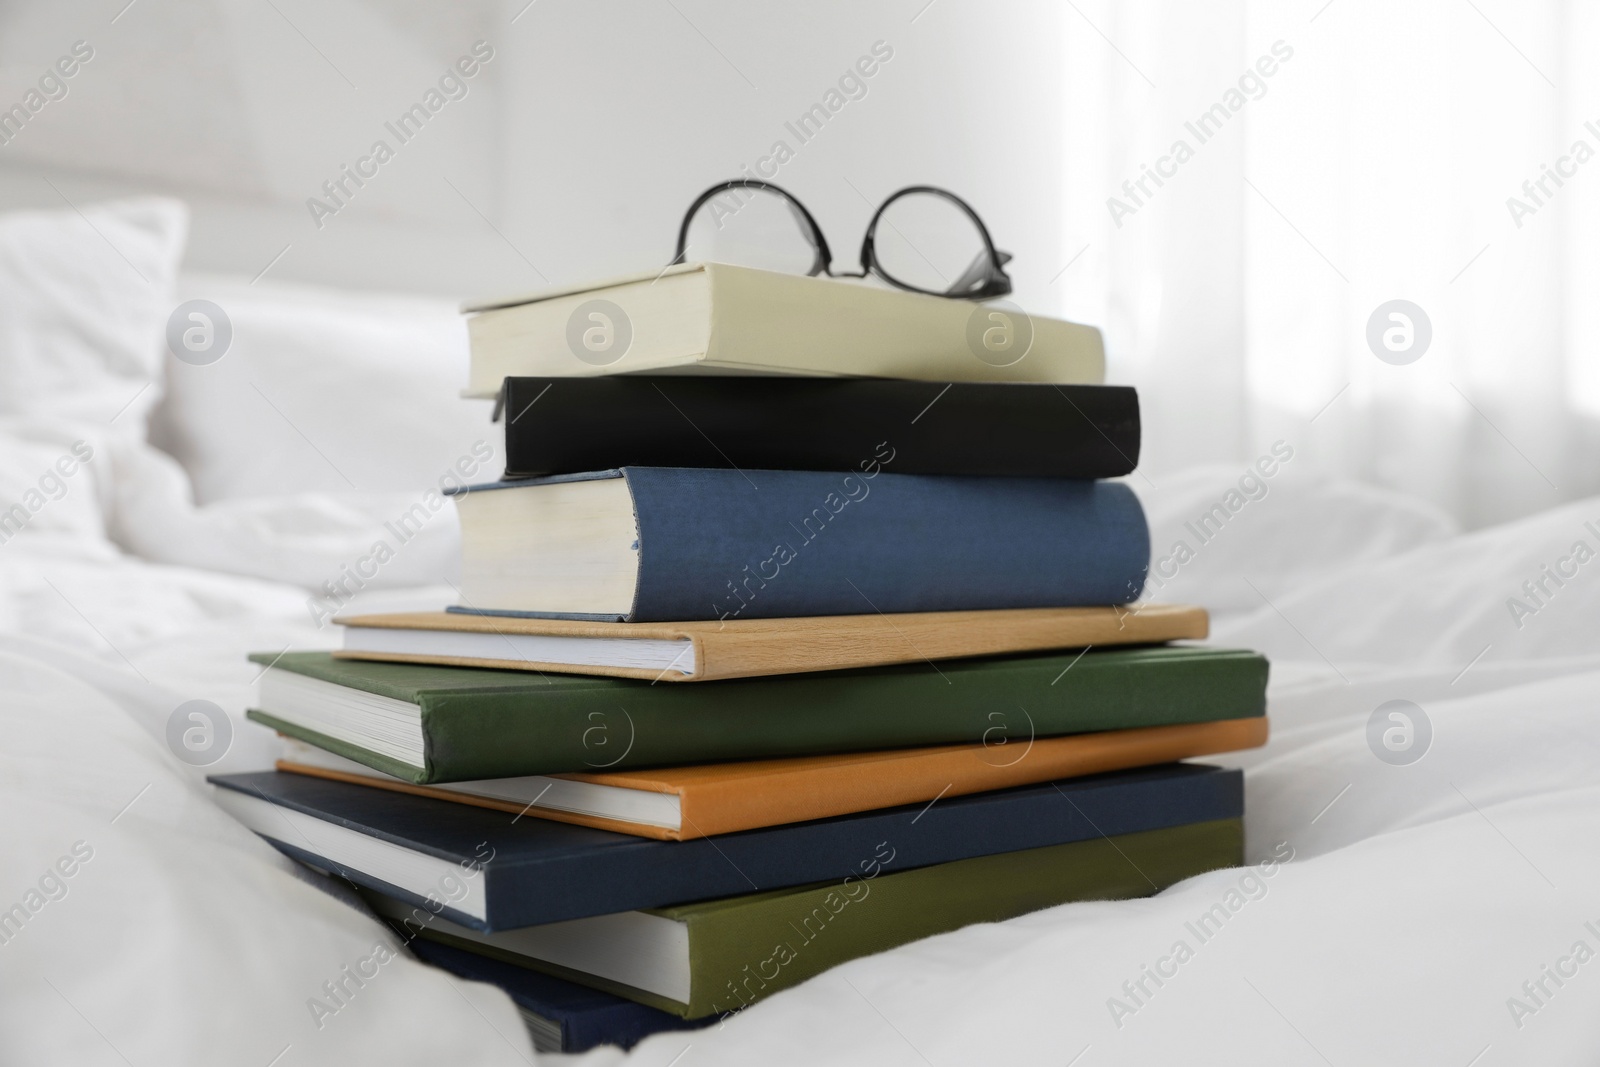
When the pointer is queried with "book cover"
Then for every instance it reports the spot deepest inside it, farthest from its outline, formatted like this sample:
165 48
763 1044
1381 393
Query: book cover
486 870
721 798
668 544
716 318
568 425
458 724
745 648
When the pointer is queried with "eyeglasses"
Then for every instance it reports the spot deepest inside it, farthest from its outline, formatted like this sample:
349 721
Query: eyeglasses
932 242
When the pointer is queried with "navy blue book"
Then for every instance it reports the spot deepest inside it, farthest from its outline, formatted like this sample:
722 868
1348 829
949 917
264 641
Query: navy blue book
675 544
490 871
561 1016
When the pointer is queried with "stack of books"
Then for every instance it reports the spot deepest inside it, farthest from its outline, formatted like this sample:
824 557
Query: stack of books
758 671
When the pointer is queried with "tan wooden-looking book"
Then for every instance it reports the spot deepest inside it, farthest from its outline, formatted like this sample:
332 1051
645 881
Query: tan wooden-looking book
681 803
747 648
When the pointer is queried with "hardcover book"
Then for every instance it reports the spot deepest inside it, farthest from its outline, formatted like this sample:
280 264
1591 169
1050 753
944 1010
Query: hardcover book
566 425
492 871
669 544
716 957
715 318
744 648
682 803
430 724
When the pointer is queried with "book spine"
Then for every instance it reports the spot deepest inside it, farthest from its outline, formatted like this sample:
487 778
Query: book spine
748 950
565 425
782 797
875 640
805 854
511 733
538 873
731 544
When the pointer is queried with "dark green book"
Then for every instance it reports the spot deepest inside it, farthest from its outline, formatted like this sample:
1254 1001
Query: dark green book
718 956
428 723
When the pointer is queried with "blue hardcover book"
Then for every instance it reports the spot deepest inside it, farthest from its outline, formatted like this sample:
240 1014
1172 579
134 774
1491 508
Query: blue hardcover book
561 1016
674 544
487 870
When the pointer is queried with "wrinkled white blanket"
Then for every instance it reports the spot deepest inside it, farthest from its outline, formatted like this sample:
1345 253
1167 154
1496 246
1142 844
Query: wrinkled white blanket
1441 911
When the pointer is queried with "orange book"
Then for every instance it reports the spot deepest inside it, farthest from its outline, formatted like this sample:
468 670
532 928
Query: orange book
680 803
747 648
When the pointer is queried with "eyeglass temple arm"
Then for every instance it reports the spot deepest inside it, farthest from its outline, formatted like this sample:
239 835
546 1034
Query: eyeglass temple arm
980 273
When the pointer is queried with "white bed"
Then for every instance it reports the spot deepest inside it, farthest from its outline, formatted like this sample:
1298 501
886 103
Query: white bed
1418 900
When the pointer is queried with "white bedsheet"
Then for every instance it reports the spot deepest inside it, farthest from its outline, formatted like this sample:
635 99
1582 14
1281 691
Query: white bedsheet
1419 899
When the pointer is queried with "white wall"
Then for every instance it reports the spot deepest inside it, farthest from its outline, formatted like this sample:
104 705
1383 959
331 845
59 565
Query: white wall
576 148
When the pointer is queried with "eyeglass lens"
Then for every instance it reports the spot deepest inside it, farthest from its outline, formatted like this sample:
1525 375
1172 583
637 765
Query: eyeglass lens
924 241
751 228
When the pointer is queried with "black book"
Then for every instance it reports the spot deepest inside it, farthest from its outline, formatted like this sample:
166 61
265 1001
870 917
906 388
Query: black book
568 425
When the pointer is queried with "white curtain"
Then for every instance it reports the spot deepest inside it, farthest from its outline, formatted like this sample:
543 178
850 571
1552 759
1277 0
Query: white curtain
1368 155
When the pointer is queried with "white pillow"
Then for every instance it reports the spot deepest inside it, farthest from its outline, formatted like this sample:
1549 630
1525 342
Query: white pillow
1274 524
51 483
360 541
322 390
84 299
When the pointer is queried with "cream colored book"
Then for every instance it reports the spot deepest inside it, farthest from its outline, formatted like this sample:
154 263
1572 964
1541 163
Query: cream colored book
714 318
746 648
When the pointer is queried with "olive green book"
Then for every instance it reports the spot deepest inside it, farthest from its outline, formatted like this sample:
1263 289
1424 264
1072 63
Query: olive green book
427 723
716 957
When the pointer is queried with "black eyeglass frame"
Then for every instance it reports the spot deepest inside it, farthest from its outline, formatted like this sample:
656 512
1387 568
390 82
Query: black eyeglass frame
985 280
